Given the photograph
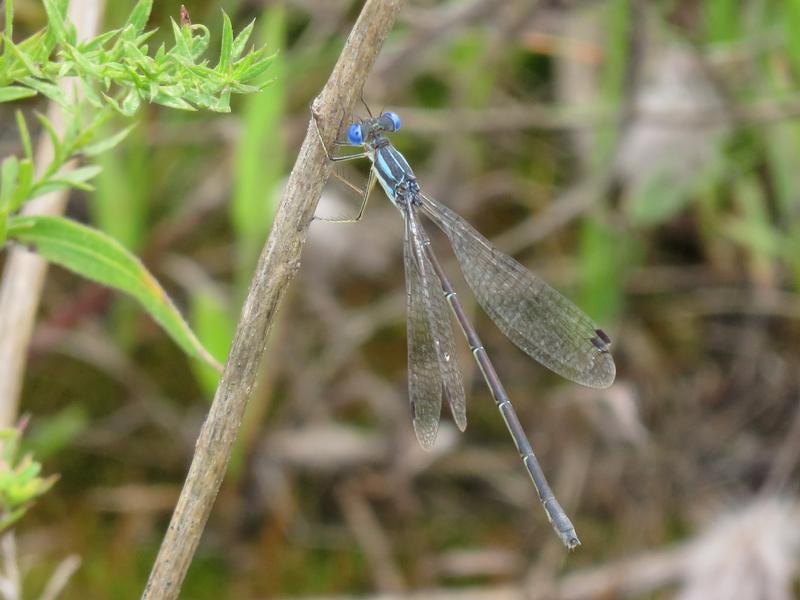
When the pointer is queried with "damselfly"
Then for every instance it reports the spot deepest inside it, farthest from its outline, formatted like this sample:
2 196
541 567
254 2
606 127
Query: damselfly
527 310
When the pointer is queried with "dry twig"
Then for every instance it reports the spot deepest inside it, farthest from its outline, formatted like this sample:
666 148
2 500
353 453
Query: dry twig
277 265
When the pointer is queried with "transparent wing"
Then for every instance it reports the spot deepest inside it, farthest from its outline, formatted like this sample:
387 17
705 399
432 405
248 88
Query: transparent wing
441 325
426 378
527 310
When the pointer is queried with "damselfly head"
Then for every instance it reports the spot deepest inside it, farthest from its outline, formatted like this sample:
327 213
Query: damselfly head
359 133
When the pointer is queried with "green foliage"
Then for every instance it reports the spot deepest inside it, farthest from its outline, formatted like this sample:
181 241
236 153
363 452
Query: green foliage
215 324
257 181
121 210
604 257
256 189
117 73
617 17
99 257
723 19
116 68
57 432
20 483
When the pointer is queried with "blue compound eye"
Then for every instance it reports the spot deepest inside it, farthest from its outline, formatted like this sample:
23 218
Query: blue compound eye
394 118
354 134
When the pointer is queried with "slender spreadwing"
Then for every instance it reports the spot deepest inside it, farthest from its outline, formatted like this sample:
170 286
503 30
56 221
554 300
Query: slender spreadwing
533 315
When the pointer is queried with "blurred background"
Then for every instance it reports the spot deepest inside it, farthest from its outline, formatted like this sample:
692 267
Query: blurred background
642 157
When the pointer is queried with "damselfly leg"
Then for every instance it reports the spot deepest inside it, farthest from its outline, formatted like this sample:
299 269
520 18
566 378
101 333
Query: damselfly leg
366 191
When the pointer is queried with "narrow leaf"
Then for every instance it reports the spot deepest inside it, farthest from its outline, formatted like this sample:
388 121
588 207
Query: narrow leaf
90 93
172 101
10 93
79 175
56 21
224 64
96 256
112 102
53 92
55 140
131 102
181 47
139 15
211 319
97 42
8 179
9 22
23 57
108 143
241 40
24 134
200 36
258 67
76 178
24 183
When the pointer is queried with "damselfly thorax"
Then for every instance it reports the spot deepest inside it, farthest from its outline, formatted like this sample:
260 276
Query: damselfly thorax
393 172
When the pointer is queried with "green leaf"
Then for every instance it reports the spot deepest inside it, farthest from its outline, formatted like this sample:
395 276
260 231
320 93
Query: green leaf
72 32
98 257
758 237
9 23
108 143
56 20
224 64
9 518
24 183
172 101
112 102
121 210
53 92
657 200
8 180
139 15
200 36
15 92
142 38
97 42
24 134
241 40
211 319
222 103
181 47
27 469
258 66
80 175
55 140
90 93
57 432
82 63
257 182
76 178
602 261
131 102
23 56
